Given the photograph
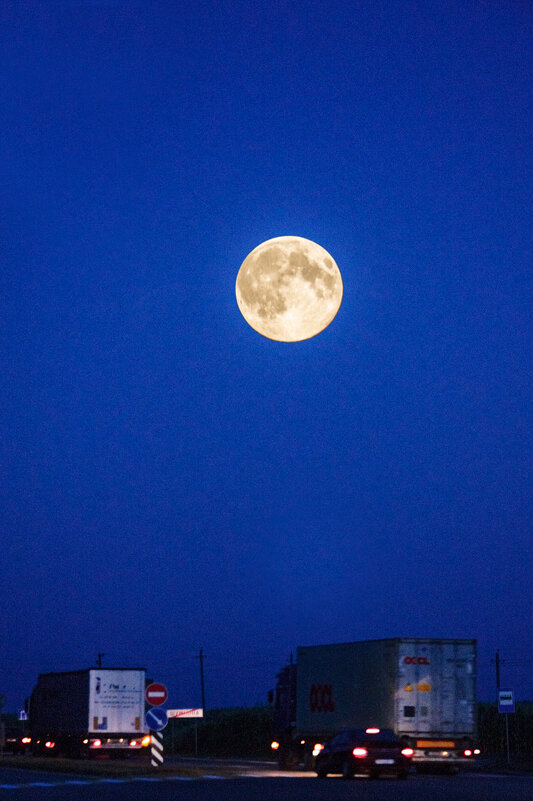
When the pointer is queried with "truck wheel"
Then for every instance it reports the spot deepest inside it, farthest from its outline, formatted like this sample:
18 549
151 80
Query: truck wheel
347 769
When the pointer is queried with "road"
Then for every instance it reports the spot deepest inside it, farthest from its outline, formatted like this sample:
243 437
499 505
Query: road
25 785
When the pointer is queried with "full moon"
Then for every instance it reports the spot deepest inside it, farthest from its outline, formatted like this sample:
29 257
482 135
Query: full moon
289 288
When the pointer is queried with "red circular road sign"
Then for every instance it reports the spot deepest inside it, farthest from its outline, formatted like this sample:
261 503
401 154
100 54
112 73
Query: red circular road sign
156 694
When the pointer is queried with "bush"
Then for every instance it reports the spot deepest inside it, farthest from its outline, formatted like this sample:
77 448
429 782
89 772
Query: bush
491 729
238 732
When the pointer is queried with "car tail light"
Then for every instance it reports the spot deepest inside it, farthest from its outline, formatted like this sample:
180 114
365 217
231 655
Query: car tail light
407 752
477 751
96 743
26 740
372 731
468 752
49 744
360 752
274 745
317 749
133 743
146 740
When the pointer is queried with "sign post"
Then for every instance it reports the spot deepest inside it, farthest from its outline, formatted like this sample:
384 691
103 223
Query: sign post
156 749
156 719
506 706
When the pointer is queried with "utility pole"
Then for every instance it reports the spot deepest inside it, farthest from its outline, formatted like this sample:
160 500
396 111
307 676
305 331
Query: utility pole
506 716
202 688
201 658
99 659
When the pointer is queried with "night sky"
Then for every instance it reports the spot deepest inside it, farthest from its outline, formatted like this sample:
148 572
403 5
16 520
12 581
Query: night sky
171 480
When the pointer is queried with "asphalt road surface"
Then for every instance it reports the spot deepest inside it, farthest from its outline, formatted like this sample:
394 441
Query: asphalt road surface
24 785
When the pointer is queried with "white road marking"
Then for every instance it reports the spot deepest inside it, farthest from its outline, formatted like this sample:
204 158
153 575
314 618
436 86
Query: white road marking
76 781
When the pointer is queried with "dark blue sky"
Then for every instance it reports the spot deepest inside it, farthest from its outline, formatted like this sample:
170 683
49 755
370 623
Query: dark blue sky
169 478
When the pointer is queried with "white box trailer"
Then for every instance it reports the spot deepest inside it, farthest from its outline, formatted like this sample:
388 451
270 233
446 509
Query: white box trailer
423 689
93 710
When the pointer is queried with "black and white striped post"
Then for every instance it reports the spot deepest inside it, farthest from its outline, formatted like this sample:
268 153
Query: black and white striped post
156 746
156 719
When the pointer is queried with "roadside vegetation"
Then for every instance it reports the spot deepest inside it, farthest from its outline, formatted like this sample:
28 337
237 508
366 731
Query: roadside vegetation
234 732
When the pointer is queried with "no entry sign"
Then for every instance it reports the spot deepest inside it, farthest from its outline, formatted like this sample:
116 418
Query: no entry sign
156 694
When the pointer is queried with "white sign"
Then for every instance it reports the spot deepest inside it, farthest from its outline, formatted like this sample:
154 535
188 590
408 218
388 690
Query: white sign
185 713
506 701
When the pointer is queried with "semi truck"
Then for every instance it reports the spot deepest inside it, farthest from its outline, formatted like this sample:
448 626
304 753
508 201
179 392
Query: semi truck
87 712
423 689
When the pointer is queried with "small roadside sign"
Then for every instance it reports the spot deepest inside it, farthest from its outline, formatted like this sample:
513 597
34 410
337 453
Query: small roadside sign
156 719
506 701
185 713
156 694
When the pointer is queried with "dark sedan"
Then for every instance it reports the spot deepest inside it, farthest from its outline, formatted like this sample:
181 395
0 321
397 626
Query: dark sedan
15 741
369 751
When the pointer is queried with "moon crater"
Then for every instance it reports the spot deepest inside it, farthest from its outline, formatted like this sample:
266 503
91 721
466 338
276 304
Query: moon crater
289 288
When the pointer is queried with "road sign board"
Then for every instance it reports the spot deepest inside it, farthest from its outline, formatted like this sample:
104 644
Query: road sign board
156 694
506 701
156 719
185 713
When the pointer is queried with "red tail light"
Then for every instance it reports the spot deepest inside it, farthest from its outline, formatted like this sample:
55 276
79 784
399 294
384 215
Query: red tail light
360 752
96 743
477 751
407 752
26 740
468 752
49 744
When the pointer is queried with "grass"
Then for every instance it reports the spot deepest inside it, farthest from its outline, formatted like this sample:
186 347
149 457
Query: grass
113 768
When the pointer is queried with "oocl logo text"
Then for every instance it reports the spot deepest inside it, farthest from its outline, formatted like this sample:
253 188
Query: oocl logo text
416 660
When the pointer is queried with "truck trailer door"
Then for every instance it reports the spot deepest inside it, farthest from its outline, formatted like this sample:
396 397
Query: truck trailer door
436 687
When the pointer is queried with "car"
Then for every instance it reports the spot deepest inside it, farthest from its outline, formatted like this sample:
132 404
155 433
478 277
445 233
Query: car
371 751
15 741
